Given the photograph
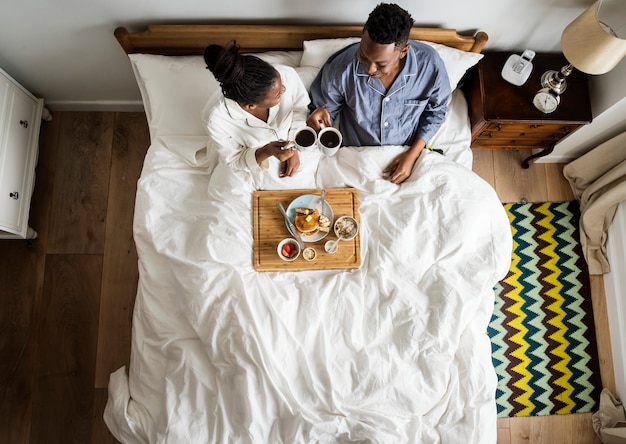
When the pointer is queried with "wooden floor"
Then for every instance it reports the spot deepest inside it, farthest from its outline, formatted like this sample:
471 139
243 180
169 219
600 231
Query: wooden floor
67 298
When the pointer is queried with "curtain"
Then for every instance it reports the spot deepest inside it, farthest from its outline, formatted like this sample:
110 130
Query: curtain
609 422
598 179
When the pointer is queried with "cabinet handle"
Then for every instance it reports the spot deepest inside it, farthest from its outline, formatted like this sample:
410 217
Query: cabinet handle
522 134
24 123
490 135
534 126
499 128
15 195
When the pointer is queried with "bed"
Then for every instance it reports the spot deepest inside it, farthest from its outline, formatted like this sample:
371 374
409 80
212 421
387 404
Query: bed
393 351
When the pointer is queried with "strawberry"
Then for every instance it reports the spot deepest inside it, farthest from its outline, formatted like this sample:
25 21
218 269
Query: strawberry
289 250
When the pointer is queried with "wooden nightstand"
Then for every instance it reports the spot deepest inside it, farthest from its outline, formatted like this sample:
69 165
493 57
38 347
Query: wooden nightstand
502 115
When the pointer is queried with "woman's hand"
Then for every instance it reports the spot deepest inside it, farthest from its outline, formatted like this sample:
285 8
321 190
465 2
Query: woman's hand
291 165
318 117
276 149
289 158
283 150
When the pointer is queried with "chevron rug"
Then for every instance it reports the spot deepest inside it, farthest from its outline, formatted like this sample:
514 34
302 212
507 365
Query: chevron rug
542 330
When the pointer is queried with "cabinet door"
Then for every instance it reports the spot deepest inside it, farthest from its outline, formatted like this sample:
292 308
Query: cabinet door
16 131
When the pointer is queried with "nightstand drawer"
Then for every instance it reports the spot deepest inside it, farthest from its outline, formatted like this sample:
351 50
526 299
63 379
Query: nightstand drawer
525 130
519 143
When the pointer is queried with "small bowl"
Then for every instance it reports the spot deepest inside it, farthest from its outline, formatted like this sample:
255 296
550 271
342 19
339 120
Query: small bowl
309 254
282 243
344 223
331 246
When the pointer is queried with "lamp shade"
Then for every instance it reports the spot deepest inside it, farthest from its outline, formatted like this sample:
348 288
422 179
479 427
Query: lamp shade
590 45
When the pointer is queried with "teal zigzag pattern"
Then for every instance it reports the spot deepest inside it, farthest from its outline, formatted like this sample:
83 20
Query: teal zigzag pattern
542 331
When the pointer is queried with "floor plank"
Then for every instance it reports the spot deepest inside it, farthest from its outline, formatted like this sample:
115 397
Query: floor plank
100 433
515 184
120 273
567 429
558 188
21 280
18 321
63 384
79 199
483 165
603 335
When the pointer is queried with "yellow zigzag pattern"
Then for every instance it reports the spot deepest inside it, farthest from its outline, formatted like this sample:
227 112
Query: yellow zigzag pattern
520 352
535 298
557 308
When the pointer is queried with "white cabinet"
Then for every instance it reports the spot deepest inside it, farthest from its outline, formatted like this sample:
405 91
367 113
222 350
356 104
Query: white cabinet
20 120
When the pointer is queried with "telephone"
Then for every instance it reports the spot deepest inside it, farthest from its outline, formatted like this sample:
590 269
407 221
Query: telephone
517 69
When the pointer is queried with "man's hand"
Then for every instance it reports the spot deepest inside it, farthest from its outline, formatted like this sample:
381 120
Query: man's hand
401 166
318 117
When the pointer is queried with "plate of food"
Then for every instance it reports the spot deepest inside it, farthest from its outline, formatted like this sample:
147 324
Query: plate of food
313 220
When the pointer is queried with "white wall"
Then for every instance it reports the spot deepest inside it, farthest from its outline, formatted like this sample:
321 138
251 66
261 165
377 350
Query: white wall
65 51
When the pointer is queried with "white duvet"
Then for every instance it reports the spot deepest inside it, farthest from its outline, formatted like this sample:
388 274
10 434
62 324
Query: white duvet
393 352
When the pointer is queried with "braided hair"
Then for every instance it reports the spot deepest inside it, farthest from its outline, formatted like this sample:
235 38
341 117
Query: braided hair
245 79
389 23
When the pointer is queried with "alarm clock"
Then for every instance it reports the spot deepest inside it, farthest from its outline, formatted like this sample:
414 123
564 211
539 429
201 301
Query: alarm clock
546 100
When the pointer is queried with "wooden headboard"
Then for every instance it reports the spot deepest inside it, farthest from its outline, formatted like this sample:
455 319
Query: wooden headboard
192 39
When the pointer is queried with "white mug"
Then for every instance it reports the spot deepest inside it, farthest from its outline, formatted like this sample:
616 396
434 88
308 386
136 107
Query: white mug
305 139
329 139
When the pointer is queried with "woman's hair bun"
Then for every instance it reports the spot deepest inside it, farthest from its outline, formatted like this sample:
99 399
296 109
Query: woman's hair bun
226 64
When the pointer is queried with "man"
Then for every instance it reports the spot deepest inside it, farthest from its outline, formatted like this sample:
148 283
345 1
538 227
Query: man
386 90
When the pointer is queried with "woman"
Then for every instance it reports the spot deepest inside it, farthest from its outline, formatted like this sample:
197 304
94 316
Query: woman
259 111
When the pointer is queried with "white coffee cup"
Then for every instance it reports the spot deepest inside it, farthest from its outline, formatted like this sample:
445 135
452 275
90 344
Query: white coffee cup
329 140
305 139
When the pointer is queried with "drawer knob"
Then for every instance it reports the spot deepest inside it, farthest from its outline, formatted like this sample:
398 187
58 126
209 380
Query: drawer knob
522 134
24 123
14 195
499 128
490 135
534 126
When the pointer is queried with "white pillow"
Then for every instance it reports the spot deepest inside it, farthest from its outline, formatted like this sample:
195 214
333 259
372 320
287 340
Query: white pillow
288 58
307 74
175 89
457 62
316 52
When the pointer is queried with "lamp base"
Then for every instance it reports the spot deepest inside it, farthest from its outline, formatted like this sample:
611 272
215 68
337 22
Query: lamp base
555 80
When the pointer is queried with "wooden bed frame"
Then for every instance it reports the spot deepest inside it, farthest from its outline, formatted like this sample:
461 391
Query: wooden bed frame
192 39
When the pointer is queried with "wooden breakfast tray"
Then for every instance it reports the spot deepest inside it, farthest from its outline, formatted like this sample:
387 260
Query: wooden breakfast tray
269 229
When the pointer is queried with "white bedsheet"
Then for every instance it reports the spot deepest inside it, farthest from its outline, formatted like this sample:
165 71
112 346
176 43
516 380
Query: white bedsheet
394 352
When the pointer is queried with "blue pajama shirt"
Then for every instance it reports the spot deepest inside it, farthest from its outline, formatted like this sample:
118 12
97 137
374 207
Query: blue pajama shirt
414 107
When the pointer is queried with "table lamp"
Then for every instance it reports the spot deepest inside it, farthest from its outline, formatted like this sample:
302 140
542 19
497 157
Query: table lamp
589 44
